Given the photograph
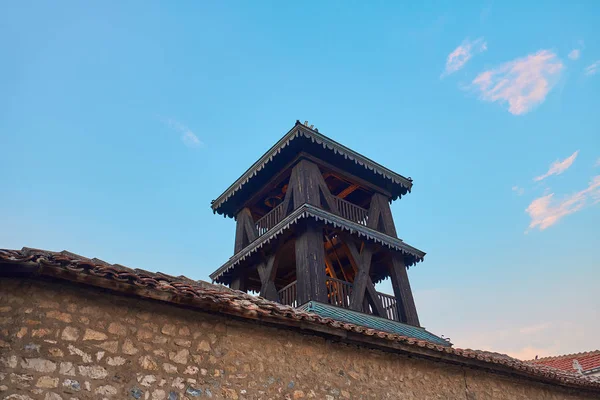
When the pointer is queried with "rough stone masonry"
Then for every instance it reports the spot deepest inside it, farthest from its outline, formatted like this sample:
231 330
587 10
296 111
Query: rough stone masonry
61 340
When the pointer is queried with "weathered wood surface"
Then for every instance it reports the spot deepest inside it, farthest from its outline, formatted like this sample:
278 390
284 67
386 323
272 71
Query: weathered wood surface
380 215
307 186
361 262
351 211
240 280
245 230
310 263
288 295
402 291
339 292
267 270
270 219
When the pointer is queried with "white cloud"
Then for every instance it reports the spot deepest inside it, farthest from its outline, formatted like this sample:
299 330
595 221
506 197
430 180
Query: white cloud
558 167
518 190
528 330
574 54
462 54
188 137
545 211
593 68
522 83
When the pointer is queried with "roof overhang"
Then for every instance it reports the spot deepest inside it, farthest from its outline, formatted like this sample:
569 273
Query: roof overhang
411 254
303 139
372 321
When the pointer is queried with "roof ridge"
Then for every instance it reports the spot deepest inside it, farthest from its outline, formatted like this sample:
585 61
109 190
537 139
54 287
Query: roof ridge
564 356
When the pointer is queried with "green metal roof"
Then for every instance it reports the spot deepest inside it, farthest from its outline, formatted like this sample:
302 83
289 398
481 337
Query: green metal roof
371 321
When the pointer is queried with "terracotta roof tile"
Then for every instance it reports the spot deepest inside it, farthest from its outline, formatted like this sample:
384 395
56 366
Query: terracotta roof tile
205 295
589 361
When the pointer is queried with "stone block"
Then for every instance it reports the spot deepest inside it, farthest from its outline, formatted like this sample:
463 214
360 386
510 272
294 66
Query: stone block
91 334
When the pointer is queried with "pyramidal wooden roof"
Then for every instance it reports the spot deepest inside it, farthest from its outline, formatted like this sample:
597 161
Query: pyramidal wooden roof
304 139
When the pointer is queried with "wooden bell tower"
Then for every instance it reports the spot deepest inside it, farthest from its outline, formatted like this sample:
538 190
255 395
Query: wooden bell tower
313 224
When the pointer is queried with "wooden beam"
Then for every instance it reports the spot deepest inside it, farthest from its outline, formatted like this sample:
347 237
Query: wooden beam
330 268
357 300
332 247
240 280
347 175
313 185
380 215
273 182
283 174
404 298
267 271
361 279
346 192
245 230
310 263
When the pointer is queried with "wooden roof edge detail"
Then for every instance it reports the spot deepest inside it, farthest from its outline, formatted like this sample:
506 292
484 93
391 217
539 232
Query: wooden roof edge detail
327 143
309 211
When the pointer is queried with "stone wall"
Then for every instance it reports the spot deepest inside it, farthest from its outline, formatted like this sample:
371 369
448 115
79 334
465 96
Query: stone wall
63 341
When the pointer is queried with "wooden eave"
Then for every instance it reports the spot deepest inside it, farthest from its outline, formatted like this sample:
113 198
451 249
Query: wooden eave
396 184
412 254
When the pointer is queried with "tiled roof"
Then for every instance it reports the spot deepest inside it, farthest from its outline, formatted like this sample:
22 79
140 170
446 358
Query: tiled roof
203 295
589 361
372 321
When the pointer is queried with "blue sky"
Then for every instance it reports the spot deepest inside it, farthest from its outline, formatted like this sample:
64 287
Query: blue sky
119 123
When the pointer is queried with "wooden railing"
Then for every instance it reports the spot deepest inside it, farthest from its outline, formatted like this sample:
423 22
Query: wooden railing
288 295
351 211
270 219
338 292
389 305
345 209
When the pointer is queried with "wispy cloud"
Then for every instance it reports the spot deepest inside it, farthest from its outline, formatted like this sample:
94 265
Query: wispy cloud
545 211
574 54
522 83
558 167
593 68
518 190
188 137
462 54
528 330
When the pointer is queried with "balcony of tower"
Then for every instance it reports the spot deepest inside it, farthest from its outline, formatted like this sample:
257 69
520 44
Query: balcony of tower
314 230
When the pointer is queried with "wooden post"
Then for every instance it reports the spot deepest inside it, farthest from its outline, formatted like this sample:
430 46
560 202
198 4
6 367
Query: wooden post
245 230
380 215
267 271
239 280
361 279
310 263
404 298
363 288
307 186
